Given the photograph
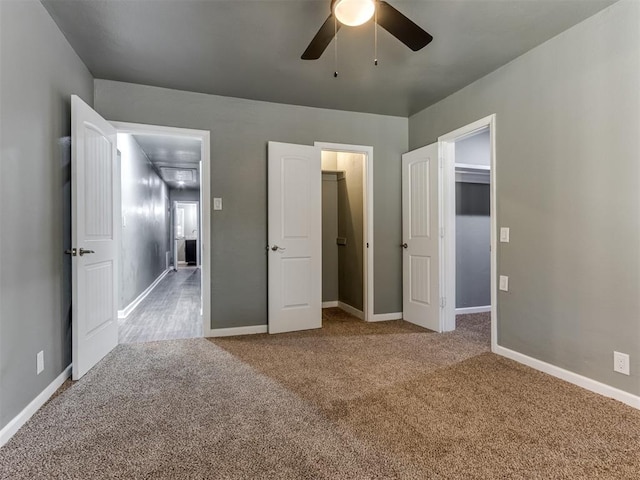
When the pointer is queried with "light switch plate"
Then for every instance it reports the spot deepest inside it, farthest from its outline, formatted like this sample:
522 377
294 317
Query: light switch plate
504 283
217 203
504 234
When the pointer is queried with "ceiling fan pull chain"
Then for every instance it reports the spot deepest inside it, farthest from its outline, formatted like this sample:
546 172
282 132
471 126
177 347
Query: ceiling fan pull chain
375 36
335 33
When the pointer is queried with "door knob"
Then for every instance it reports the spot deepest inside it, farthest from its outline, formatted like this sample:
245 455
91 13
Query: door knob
275 248
82 251
404 245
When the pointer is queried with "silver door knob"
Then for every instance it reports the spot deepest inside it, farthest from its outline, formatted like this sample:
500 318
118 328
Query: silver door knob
83 251
275 248
404 245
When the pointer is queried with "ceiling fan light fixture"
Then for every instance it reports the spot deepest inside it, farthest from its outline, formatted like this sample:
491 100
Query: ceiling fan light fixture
354 12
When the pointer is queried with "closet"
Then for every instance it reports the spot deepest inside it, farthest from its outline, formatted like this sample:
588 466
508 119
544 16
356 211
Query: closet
473 222
343 231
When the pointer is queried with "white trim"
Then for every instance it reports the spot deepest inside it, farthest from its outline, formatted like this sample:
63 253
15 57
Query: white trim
368 217
331 304
571 377
384 317
126 311
351 310
27 412
447 201
232 332
205 201
466 310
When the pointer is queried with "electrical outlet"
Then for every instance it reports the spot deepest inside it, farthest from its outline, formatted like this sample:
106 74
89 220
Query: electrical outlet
504 283
621 363
40 362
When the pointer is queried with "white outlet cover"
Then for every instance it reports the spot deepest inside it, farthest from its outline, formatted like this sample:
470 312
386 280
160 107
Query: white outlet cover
217 203
504 283
504 234
621 363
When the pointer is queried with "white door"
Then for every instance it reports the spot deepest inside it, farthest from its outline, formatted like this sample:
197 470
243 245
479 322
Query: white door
420 237
295 237
94 193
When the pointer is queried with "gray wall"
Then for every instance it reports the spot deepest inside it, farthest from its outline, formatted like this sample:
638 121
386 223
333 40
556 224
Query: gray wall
38 73
350 226
240 130
145 207
473 239
329 235
568 186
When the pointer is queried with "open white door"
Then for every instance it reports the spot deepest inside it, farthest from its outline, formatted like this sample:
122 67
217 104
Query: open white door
94 193
295 237
420 237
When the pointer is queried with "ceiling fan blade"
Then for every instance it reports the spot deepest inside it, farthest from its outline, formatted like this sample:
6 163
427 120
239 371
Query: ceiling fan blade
401 27
322 39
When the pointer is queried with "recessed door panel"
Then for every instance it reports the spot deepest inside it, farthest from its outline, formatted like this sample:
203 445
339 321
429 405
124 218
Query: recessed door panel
296 274
420 279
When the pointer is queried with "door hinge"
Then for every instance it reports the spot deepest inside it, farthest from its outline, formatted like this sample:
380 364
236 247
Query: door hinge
367 244
443 302
442 232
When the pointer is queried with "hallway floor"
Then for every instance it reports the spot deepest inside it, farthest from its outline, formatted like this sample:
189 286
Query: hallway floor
171 311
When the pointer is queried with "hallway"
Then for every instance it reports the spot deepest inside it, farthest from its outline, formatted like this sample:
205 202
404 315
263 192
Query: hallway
171 311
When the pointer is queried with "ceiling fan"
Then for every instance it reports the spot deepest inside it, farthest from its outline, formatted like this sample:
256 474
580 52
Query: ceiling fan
357 12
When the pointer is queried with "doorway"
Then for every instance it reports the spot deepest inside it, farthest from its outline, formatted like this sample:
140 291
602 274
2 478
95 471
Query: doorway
164 280
343 247
186 232
347 237
468 209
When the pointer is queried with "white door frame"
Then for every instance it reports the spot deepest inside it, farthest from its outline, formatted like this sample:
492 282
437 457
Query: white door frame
367 201
205 201
448 216
173 233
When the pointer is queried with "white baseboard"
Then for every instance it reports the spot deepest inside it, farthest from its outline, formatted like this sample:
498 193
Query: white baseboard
330 304
231 332
384 317
351 310
465 310
132 306
571 377
19 420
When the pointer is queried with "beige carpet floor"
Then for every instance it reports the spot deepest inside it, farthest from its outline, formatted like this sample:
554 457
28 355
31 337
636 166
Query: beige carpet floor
352 401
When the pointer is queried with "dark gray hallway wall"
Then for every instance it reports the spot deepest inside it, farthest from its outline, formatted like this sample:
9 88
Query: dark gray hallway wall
38 72
145 208
568 186
240 130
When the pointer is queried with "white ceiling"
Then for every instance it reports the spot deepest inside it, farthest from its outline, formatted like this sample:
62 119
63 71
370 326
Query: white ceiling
251 48
173 157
